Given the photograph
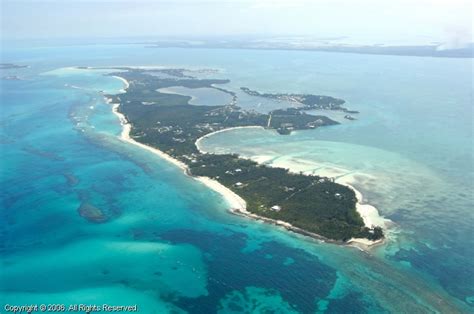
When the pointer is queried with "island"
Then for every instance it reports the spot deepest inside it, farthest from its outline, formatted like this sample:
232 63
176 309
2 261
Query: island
437 50
308 204
304 101
6 66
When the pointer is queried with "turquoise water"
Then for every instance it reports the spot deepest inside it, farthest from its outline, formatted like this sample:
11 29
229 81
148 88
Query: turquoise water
170 246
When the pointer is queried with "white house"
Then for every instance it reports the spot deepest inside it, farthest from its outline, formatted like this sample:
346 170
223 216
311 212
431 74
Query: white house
276 208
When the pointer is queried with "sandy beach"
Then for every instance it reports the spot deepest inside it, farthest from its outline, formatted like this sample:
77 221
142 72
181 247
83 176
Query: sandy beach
237 205
235 202
125 135
198 141
371 218
369 213
125 82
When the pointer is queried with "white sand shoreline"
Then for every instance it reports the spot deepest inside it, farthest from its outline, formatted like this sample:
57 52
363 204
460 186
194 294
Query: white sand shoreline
237 204
235 201
198 141
371 217
125 82
369 213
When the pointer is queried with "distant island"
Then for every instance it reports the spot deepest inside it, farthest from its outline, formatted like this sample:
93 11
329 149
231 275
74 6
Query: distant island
438 50
308 204
6 66
306 101
11 66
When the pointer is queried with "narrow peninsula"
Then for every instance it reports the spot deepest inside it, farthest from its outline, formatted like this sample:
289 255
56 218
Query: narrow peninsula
308 204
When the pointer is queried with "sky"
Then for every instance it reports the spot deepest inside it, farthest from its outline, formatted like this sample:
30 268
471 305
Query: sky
364 21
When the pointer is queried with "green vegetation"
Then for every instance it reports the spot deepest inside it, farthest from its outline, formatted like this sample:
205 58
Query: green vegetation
170 123
312 203
306 101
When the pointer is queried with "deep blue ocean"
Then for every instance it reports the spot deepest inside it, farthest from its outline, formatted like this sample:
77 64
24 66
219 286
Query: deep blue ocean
171 246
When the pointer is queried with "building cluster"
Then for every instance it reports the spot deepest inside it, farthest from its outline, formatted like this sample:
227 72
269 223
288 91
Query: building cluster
315 124
191 157
233 172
